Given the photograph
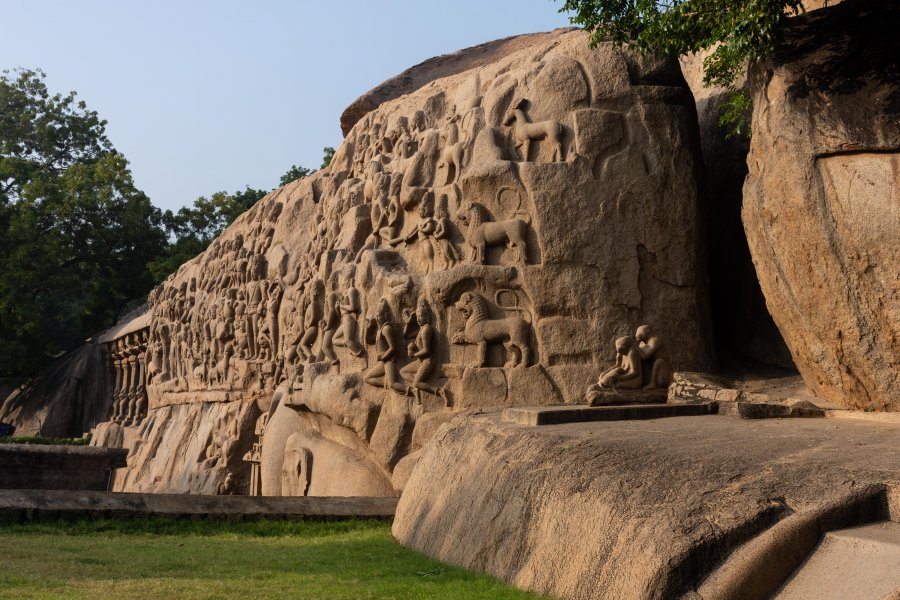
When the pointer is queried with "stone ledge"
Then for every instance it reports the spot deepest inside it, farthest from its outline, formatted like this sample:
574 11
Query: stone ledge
557 415
644 509
35 505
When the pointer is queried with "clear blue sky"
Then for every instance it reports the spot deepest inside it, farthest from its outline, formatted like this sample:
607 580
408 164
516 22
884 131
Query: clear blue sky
210 95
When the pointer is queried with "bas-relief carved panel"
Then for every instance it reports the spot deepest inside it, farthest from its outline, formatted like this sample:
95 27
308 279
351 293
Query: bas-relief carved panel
416 260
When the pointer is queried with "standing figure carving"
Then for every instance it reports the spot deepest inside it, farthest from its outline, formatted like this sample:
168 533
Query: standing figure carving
443 233
350 309
385 374
422 351
329 324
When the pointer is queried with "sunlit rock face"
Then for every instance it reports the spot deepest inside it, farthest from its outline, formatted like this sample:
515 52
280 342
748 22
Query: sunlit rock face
822 199
479 242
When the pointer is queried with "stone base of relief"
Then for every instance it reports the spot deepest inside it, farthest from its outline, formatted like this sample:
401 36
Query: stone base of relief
482 241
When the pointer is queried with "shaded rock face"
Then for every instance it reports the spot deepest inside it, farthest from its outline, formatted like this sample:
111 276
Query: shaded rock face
478 242
66 399
742 325
822 199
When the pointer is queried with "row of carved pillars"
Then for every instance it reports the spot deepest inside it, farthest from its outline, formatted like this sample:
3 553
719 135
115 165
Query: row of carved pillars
127 363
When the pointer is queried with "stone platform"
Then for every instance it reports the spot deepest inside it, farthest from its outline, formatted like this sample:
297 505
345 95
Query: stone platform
689 507
32 505
556 415
58 467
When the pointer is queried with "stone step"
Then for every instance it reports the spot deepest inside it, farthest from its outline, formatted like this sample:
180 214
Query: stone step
30 505
557 415
861 563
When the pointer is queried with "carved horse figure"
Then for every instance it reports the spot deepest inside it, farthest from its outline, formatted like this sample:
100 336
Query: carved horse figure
482 232
453 153
480 329
524 133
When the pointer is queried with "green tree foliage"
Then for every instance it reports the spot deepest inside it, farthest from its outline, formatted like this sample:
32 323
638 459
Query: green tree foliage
737 31
295 172
327 155
75 233
193 228
79 243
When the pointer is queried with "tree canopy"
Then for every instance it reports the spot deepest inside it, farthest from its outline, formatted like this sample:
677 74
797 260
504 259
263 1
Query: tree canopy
79 243
736 32
75 233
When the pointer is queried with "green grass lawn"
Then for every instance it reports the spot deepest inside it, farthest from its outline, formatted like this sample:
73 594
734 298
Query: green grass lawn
200 559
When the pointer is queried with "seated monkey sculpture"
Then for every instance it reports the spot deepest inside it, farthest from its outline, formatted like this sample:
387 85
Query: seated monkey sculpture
638 366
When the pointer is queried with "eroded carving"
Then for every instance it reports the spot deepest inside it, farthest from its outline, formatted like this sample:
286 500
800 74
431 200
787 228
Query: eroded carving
524 133
513 331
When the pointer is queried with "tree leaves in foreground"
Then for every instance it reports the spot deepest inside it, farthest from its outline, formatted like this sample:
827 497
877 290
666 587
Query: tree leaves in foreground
737 31
79 243
75 233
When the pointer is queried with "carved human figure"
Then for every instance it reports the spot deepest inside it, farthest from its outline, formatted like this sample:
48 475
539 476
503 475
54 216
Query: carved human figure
226 487
310 325
627 372
273 304
423 232
422 351
378 215
443 230
385 374
524 133
655 370
331 320
350 308
256 297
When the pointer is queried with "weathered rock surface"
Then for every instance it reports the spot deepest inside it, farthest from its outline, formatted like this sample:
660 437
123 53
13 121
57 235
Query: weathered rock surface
645 509
822 199
438 67
65 399
477 242
73 393
742 325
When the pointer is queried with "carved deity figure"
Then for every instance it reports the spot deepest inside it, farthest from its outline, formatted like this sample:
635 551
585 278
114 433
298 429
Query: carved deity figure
310 325
385 374
443 231
422 351
424 232
329 324
350 307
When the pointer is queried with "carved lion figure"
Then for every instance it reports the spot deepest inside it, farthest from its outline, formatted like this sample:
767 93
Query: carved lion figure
482 232
480 329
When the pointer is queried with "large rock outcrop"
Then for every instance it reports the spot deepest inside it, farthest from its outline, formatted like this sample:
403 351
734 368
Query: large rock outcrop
742 325
822 199
66 399
697 508
81 388
480 241
446 65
